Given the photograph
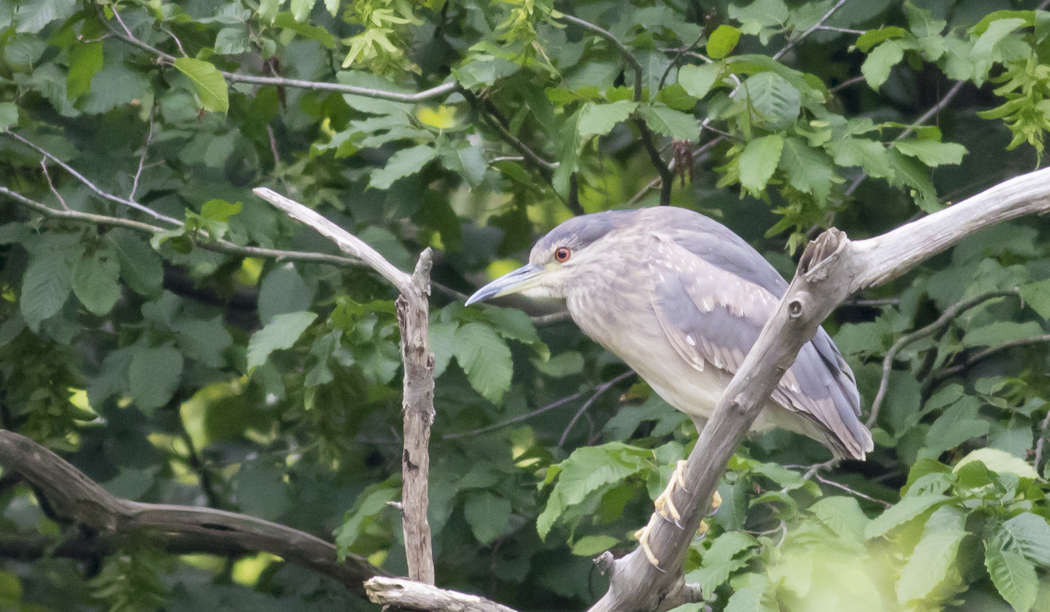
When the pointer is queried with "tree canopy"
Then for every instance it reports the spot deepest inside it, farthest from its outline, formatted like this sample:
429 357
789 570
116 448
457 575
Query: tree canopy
181 342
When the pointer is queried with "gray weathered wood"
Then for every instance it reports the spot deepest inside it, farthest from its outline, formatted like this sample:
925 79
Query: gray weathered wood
410 595
831 269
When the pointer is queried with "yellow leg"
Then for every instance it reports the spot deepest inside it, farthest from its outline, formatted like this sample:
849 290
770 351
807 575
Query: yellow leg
665 509
664 504
643 541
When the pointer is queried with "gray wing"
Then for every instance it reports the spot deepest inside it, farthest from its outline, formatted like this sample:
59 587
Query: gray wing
713 316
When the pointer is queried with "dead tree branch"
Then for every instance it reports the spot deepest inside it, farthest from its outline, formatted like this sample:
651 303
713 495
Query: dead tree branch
409 595
79 499
418 403
831 269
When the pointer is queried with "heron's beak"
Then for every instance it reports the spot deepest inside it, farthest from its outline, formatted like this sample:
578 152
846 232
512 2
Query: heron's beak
523 278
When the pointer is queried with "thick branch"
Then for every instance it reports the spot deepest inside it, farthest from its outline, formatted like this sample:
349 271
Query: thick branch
410 595
831 269
76 497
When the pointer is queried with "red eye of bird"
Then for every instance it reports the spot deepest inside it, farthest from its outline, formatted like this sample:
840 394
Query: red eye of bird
562 254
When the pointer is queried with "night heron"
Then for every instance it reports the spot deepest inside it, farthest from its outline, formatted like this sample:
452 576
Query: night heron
682 299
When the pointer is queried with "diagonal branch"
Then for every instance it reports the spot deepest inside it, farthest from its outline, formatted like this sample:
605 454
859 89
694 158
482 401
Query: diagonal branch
794 41
77 498
831 269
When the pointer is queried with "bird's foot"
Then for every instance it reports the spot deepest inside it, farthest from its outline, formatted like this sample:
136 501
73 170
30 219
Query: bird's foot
643 541
664 503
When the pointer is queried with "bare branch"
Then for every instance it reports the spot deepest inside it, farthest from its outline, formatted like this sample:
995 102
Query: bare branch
986 353
404 594
794 41
932 112
854 492
598 391
90 185
145 153
418 401
622 48
832 268
935 329
1042 440
47 175
77 498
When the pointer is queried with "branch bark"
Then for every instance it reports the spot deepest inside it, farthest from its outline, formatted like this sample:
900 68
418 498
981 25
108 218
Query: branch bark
185 529
831 269
413 313
409 595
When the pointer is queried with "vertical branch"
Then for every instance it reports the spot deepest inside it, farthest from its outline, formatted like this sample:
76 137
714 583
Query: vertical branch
418 411
413 309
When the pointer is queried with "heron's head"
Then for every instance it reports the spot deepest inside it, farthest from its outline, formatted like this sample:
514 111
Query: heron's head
558 258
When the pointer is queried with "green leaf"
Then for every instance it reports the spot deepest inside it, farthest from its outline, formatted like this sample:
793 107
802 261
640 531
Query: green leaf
1013 576
95 282
301 9
807 169
203 340
140 266
871 38
589 546
281 332
35 15
776 101
45 288
1027 534
564 364
722 559
219 210
588 471
697 81
751 599
8 115
85 61
1037 297
472 160
931 152
442 339
600 119
903 511
485 358
843 515
209 83
154 375
876 68
758 161
1001 332
999 461
513 324
367 508
669 122
933 556
402 164
722 41
863 152
488 515
283 291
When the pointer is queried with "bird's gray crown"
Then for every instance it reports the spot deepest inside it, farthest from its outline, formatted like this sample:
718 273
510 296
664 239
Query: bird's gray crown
578 232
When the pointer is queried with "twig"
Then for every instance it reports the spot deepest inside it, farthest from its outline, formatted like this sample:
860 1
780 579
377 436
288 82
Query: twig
47 175
622 48
794 41
666 176
847 83
273 145
839 485
218 246
933 329
145 152
520 417
78 498
598 391
1042 439
90 185
936 108
985 354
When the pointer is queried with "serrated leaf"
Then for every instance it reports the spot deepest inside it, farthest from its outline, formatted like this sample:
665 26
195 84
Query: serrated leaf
1027 534
513 324
45 288
488 515
876 67
903 511
669 122
933 556
1001 332
209 83
402 164
843 515
219 210
863 152
588 546
758 161
153 376
8 115
871 38
600 119
203 340
999 461
281 332
472 160
485 358
140 266
697 81
442 339
751 599
807 169
586 472
283 291
776 101
721 559
931 152
95 283
1037 297
1013 576
722 41
35 15
85 61
301 9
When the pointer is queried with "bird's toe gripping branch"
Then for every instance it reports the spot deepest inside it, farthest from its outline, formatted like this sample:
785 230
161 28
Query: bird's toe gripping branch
666 510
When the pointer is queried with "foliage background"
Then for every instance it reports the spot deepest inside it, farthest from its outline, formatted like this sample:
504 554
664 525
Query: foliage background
173 364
